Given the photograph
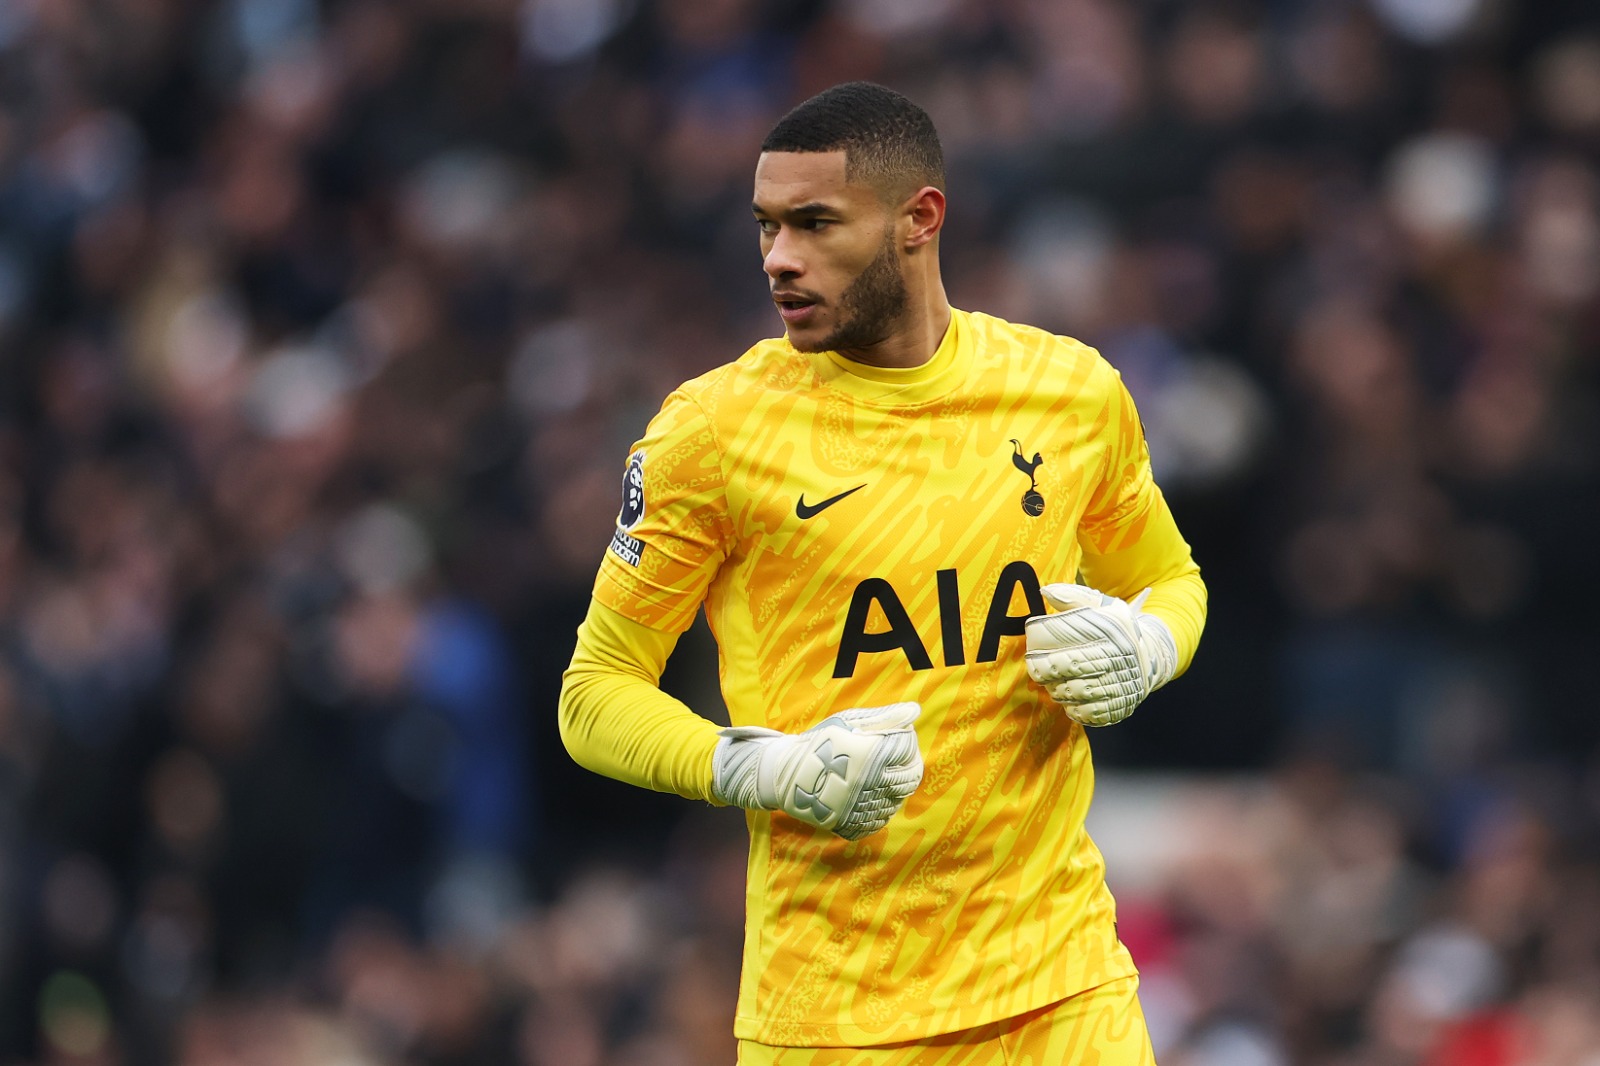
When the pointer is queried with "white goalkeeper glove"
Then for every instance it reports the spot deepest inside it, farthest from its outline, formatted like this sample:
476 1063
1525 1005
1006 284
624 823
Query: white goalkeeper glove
848 773
1100 656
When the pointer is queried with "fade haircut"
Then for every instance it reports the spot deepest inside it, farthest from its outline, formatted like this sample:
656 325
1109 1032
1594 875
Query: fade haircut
888 141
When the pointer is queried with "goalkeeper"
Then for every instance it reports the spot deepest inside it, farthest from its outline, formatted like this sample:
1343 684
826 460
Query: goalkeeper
931 552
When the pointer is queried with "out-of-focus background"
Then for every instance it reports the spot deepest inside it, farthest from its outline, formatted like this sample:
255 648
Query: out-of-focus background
325 326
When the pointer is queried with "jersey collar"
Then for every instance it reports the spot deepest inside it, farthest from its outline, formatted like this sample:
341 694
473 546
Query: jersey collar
893 386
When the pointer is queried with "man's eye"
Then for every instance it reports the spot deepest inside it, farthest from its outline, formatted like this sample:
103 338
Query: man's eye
816 223
767 226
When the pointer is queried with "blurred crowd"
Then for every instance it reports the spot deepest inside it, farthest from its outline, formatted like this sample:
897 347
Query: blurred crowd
325 327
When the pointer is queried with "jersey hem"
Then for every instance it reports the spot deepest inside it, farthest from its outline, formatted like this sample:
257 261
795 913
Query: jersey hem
853 1036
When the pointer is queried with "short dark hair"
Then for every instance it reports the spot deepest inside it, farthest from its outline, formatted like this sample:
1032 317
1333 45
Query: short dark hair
887 140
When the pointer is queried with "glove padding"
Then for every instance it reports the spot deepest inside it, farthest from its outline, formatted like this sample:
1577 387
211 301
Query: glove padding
1100 656
848 773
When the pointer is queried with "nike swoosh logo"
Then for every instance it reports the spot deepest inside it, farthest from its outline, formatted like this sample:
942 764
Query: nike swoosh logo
810 510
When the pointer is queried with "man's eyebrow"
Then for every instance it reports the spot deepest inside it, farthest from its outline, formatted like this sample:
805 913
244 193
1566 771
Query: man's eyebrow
810 210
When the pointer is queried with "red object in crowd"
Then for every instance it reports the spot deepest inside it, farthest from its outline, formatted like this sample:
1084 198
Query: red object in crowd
1487 1039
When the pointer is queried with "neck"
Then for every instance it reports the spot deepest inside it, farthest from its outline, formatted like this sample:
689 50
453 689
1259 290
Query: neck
915 338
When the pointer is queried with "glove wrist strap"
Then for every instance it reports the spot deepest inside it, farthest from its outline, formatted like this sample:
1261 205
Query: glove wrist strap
736 770
1161 651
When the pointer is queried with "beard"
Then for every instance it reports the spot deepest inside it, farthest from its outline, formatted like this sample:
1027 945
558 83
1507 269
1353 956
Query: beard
872 306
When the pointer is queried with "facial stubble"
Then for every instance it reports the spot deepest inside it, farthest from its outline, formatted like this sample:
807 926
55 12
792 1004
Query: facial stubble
873 305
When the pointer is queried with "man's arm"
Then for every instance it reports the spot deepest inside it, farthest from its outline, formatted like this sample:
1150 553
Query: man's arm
616 721
1160 560
848 774
1135 623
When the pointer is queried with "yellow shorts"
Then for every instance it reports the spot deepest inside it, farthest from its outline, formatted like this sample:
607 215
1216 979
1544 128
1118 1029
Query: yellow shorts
1101 1027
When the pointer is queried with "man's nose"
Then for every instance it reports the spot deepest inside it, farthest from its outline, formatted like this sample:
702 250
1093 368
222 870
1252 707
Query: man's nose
781 260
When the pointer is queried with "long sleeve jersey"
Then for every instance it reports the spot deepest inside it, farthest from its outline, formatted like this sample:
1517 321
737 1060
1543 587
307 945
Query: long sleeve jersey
860 536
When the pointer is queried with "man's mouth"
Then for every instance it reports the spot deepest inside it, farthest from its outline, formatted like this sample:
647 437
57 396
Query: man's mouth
792 306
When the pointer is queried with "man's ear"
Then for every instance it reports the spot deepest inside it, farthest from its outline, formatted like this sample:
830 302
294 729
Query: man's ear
925 209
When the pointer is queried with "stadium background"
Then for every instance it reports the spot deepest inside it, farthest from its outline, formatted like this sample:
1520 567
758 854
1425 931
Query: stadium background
324 329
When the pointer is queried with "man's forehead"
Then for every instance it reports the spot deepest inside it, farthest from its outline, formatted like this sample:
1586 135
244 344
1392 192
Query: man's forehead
788 177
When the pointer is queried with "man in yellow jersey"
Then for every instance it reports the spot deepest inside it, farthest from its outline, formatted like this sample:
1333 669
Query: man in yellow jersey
874 512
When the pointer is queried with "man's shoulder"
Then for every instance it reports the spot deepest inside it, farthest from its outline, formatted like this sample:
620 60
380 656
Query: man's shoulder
1005 339
767 364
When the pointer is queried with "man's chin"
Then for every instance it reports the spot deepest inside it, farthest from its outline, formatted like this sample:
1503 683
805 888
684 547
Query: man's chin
803 343
807 340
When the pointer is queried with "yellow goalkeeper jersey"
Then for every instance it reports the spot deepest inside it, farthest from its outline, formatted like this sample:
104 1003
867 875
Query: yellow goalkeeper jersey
861 536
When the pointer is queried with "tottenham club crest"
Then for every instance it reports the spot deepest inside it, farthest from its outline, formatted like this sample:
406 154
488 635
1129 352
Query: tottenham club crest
630 549
1032 502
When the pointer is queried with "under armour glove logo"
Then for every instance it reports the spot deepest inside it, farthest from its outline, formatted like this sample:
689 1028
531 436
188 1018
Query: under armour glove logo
863 763
837 765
